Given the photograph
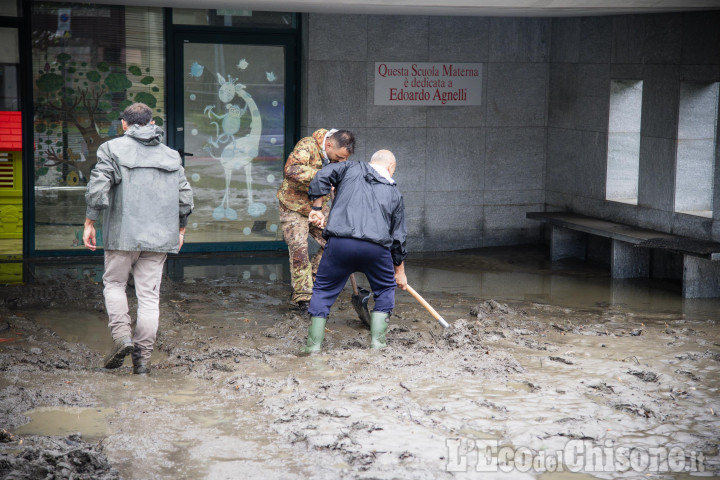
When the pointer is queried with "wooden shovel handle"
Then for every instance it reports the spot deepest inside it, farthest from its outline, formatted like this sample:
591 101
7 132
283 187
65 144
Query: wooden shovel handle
354 284
427 306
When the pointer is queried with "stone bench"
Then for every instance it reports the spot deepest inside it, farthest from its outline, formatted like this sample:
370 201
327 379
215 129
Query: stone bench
630 250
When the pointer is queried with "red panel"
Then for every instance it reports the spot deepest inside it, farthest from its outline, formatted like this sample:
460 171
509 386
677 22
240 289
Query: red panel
10 131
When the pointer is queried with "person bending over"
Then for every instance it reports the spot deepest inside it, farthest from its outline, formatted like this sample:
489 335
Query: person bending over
365 233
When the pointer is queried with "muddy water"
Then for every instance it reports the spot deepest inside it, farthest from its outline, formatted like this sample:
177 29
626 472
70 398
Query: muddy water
507 275
87 328
546 361
90 422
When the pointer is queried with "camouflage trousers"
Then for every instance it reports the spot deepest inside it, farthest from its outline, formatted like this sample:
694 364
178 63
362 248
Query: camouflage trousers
296 228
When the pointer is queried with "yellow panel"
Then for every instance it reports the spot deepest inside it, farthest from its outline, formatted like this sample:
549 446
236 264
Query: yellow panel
11 208
11 272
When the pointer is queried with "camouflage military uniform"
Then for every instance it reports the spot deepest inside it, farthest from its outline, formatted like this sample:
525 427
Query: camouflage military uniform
296 228
302 165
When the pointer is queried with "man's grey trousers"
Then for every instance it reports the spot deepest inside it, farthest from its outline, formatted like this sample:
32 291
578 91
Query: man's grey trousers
147 269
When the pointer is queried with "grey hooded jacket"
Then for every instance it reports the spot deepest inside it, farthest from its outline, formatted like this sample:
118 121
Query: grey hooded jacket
140 185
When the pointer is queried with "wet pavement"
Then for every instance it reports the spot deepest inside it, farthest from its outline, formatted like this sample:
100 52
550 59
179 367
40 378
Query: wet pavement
547 371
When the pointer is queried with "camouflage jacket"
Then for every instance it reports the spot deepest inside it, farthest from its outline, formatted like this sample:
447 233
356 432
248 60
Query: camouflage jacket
303 163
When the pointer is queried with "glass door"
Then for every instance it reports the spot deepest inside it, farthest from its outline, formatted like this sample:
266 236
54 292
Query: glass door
235 122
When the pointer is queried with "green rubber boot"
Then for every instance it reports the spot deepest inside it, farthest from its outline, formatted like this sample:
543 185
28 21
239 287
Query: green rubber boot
378 327
316 334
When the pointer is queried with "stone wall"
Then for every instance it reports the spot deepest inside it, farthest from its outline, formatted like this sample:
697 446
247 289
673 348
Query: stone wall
539 139
468 174
661 50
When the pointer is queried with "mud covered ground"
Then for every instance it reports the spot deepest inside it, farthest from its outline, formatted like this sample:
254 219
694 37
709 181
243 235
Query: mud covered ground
521 388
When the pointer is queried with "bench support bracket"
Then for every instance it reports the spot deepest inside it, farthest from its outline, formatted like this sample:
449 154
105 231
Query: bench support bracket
566 243
628 261
701 277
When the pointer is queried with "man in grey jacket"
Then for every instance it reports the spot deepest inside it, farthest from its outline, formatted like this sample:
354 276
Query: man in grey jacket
140 185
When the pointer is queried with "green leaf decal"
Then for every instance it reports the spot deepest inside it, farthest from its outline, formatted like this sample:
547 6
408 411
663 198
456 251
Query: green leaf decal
50 82
146 98
117 82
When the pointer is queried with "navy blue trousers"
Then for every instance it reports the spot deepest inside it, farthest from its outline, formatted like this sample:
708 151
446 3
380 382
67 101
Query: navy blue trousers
344 256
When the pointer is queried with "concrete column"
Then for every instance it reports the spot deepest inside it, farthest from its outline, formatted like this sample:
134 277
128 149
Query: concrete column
629 261
701 278
565 243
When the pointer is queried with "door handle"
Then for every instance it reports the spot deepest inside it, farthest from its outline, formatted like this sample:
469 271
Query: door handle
184 154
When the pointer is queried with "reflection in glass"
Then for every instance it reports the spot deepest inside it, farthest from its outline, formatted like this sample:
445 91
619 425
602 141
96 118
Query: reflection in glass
9 60
11 197
89 63
231 17
8 8
234 125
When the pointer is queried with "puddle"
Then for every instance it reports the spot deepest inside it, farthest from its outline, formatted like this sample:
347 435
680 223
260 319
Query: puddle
77 327
180 397
84 327
159 388
91 423
190 429
525 274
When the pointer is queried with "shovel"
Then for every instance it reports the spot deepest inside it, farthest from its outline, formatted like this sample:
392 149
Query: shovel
360 299
427 306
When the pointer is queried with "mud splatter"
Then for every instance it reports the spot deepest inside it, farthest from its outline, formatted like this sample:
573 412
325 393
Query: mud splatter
57 457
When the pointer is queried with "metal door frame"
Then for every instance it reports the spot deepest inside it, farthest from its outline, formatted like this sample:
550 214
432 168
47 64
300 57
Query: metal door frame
176 36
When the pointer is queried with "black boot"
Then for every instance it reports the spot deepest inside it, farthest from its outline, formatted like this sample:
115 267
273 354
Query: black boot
303 307
141 366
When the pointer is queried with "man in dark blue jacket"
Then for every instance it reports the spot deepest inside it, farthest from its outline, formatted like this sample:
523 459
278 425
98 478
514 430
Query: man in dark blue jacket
365 233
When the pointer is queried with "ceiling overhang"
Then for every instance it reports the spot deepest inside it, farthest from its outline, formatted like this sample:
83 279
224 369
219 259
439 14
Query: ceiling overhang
514 8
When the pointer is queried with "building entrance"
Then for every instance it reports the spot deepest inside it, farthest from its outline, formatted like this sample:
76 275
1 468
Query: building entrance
233 123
